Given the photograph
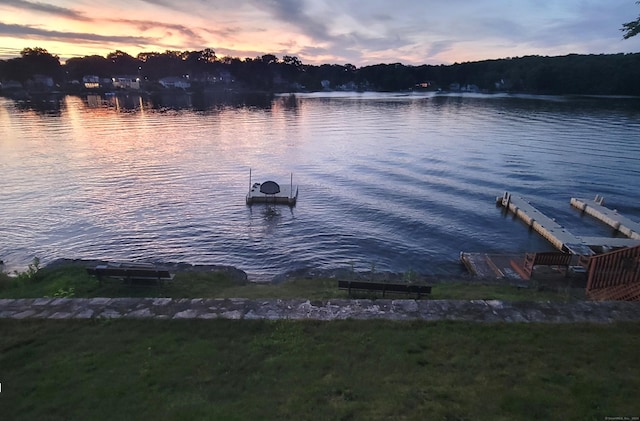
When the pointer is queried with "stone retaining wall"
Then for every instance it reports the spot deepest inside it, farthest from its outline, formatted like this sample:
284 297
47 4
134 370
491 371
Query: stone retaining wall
237 308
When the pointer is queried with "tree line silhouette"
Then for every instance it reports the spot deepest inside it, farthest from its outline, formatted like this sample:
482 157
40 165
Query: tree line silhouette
603 74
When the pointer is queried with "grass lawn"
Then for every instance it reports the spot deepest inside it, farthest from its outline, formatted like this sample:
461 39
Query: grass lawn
73 281
229 369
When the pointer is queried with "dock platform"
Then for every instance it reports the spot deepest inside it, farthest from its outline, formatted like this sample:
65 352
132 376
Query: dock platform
567 242
555 233
288 195
510 269
620 223
271 192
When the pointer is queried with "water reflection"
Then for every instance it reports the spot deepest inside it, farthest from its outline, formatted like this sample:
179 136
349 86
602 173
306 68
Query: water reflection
45 104
272 217
127 102
400 180
96 101
173 100
182 100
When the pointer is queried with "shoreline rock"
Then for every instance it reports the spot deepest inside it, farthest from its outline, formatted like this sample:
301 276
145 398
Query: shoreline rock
235 273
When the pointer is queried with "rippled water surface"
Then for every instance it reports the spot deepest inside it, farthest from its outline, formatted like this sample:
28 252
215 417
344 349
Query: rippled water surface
389 181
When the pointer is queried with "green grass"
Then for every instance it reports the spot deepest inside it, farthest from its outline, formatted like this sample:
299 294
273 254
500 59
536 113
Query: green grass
225 369
73 281
479 291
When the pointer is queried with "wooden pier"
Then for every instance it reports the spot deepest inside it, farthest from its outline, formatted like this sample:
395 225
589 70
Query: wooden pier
555 233
620 223
567 242
610 265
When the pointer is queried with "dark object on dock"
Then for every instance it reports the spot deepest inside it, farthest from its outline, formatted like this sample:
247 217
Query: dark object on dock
384 287
131 274
269 187
271 192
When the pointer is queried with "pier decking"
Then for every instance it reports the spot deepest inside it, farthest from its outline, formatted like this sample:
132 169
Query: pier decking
555 233
610 265
610 217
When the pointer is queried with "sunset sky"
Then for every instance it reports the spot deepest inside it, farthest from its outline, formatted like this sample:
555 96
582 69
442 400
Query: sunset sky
359 32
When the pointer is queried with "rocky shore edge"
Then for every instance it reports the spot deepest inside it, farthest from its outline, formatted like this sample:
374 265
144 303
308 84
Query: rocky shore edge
241 276
233 272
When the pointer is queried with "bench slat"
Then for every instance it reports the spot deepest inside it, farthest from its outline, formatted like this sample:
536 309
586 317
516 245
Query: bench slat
130 274
384 287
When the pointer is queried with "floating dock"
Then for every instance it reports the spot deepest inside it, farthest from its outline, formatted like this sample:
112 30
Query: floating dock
272 192
565 241
606 262
555 233
620 223
286 196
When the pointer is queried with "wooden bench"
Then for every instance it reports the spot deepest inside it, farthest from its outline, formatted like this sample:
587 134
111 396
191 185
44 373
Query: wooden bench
545 259
384 287
131 275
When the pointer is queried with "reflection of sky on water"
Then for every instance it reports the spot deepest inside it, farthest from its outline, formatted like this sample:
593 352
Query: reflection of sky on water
404 181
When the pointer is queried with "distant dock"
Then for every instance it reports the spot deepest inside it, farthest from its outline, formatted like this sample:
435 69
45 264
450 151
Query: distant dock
620 223
556 234
567 242
609 267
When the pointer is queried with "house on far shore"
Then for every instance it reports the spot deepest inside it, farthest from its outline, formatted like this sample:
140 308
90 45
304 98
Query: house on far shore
40 83
8 85
91 82
174 82
126 82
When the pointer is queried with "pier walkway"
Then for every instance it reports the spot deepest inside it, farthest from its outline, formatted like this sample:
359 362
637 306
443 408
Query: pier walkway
567 242
609 216
492 311
555 233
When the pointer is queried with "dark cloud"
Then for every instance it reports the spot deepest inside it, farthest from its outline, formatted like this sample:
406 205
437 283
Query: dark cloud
145 25
9 52
194 6
37 33
172 5
45 8
439 47
292 12
350 46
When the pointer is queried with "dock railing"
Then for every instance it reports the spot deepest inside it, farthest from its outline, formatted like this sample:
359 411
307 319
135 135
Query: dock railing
615 275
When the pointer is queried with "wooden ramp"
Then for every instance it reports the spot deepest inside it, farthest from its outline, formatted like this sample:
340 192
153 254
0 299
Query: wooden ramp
493 266
518 268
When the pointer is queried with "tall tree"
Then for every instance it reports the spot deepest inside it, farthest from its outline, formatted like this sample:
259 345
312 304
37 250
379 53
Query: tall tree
123 63
631 29
39 61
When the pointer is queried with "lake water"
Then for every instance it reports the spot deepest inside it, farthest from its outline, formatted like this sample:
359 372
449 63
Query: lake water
387 181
